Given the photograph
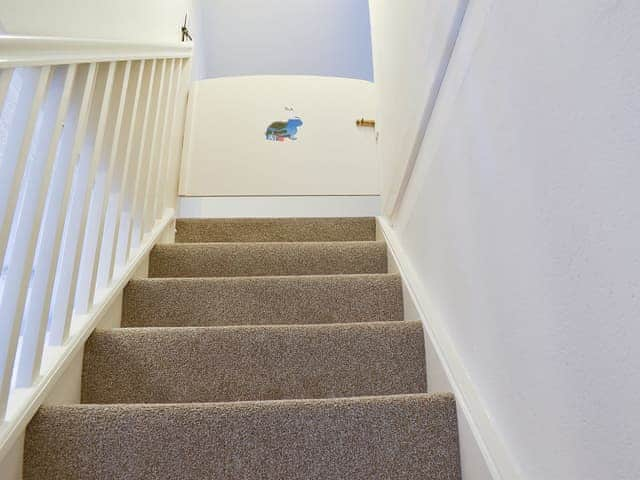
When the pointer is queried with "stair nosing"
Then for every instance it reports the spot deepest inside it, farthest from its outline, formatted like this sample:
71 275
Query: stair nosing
344 325
293 401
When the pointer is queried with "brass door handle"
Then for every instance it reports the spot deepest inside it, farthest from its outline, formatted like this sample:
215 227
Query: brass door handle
366 123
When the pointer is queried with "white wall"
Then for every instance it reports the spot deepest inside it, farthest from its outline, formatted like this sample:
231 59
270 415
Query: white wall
134 20
412 44
295 206
282 37
522 223
227 153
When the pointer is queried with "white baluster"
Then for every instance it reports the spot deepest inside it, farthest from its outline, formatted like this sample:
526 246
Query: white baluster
14 157
48 252
121 216
152 160
151 196
5 80
34 323
177 130
24 240
158 203
67 274
99 202
134 219
114 179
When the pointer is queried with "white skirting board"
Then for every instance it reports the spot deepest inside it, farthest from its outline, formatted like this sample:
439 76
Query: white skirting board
287 206
483 455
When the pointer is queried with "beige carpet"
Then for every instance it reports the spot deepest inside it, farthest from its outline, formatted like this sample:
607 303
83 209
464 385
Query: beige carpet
264 259
228 364
410 437
175 302
275 351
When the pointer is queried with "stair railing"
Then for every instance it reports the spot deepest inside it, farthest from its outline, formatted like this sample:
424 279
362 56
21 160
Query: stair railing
90 137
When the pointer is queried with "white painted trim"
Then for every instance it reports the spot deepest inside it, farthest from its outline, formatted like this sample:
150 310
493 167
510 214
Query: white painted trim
60 241
187 139
20 51
293 206
81 256
25 401
5 81
148 209
104 210
127 184
158 197
17 151
84 280
498 460
33 323
15 287
177 136
135 226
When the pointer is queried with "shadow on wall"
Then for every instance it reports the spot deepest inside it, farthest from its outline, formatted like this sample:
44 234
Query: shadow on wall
282 37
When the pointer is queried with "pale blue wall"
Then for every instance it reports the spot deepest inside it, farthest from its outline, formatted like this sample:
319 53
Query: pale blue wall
290 37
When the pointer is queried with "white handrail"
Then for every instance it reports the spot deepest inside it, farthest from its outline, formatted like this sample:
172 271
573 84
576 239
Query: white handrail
83 187
25 51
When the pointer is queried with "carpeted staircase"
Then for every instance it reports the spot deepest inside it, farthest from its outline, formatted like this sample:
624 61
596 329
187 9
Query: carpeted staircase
258 349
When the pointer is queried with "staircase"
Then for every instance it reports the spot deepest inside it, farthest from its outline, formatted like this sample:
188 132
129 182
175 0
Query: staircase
270 349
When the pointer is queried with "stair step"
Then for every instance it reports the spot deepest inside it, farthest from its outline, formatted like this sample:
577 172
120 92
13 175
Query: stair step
200 230
175 302
226 364
264 259
399 437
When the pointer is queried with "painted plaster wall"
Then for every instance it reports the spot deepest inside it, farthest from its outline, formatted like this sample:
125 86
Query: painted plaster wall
134 20
412 43
282 37
226 152
522 220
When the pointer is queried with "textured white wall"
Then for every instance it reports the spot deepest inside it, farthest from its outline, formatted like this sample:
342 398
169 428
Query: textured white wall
226 151
134 20
283 37
522 219
412 42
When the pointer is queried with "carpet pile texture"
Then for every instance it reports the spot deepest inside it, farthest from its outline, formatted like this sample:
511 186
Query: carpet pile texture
258 348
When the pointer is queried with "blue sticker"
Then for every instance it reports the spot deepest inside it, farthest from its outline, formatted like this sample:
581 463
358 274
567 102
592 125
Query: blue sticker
280 131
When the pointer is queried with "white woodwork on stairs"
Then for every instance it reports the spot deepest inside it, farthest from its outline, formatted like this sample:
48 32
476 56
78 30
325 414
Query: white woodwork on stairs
91 138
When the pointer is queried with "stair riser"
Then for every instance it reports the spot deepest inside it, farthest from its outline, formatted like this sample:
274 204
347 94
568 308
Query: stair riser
276 230
262 301
177 365
413 437
264 259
